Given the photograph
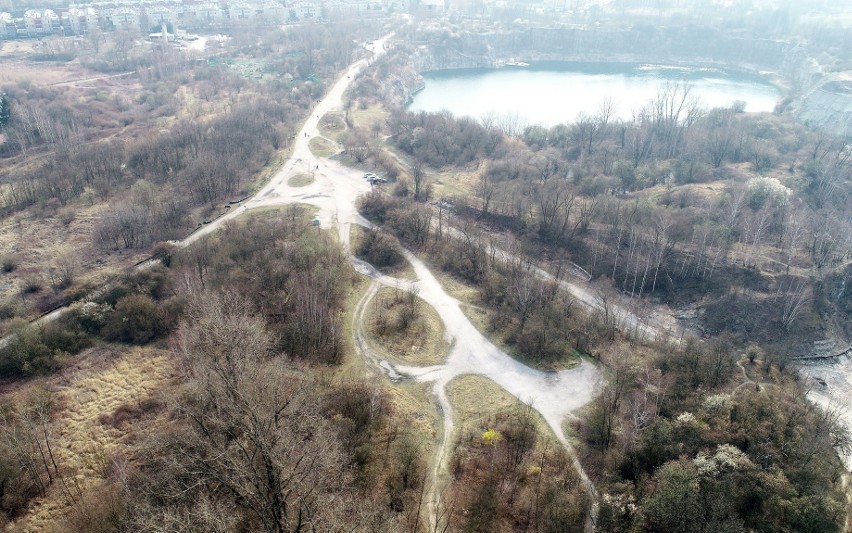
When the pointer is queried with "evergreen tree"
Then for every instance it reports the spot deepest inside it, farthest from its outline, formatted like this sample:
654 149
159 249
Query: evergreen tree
5 112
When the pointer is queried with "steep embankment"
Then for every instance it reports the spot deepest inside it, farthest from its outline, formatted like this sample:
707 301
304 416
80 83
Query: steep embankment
828 105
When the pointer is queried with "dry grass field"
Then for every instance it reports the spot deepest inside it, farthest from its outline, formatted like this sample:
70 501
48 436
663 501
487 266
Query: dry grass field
420 343
322 147
97 397
478 402
41 243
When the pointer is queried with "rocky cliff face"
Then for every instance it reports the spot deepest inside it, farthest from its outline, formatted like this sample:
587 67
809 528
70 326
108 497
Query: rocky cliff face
636 45
829 106
400 86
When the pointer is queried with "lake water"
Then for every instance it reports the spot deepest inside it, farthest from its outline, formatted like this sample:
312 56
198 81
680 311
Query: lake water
550 94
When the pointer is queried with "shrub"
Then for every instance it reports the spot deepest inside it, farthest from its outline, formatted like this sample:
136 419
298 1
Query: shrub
100 510
65 335
9 309
127 413
380 249
152 282
9 262
25 353
92 316
135 319
31 285
375 206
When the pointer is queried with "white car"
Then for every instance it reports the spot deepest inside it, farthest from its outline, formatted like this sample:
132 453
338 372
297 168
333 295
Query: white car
369 176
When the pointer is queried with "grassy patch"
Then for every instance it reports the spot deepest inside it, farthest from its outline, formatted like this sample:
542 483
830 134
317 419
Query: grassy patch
331 125
463 292
477 402
293 212
322 147
353 364
300 180
102 382
367 118
413 403
421 342
460 182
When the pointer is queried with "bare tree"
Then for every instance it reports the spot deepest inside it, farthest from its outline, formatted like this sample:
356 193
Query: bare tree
486 189
254 434
511 124
29 434
795 298
418 176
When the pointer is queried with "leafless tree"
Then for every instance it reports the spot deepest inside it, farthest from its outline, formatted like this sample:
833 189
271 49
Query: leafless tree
795 298
486 189
418 176
30 435
254 433
511 124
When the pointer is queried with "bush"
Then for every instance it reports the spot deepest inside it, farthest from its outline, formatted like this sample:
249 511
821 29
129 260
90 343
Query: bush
31 285
128 413
135 319
25 353
9 263
18 487
66 335
9 309
380 249
92 316
375 206
100 510
152 282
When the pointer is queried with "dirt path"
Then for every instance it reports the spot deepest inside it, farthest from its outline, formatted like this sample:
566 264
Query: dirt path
92 79
555 395
334 191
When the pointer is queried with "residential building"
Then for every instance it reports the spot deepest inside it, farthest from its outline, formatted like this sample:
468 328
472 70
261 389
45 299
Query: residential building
125 17
241 11
159 14
79 20
39 22
7 26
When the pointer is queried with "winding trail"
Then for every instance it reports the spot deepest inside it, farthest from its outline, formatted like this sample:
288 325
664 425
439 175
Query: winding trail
555 395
